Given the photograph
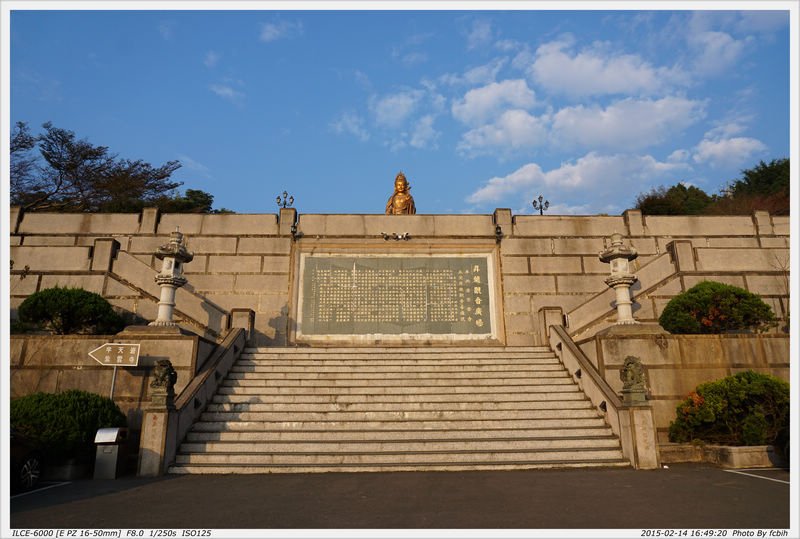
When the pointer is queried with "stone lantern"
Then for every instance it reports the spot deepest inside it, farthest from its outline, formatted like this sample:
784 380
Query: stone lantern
173 256
621 279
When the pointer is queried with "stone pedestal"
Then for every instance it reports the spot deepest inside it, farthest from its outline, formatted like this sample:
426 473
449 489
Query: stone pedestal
159 424
622 288
621 279
173 255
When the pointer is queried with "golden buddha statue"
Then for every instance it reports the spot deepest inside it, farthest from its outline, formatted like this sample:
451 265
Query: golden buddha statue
401 202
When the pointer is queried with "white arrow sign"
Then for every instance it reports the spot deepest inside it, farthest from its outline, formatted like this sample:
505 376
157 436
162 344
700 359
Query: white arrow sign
114 354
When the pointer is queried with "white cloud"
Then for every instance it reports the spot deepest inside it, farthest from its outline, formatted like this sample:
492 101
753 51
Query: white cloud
482 74
194 166
727 152
507 45
350 123
437 100
762 21
212 59
413 58
165 29
480 104
714 52
394 109
362 79
679 156
480 34
523 60
514 129
726 130
424 135
601 178
228 93
596 71
626 124
273 31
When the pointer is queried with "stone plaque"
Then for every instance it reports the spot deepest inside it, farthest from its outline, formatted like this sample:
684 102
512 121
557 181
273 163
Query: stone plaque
425 295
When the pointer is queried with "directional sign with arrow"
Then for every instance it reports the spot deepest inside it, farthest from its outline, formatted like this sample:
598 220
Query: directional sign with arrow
114 354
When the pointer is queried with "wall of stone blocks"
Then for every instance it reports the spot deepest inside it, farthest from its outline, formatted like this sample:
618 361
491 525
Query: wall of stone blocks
249 261
677 364
53 364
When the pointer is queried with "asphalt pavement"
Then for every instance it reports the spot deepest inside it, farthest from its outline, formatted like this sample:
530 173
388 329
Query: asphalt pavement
682 496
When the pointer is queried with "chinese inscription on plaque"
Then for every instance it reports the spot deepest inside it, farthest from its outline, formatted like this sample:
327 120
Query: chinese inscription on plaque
396 295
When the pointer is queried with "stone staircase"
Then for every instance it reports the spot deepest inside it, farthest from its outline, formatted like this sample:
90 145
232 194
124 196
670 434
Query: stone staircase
297 410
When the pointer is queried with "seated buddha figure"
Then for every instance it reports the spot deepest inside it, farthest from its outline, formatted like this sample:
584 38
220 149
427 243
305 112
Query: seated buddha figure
401 202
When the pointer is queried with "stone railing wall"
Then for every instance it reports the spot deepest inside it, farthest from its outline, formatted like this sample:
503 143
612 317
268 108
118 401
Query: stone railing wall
53 364
677 364
250 261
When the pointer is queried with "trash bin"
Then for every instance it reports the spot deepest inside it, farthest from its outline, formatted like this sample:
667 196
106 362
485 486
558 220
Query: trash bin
111 453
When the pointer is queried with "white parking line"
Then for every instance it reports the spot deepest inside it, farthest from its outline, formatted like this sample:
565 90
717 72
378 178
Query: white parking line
758 476
762 469
40 489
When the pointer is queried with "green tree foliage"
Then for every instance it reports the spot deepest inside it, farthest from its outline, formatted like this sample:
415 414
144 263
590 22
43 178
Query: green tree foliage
712 307
677 200
763 187
747 408
63 425
72 175
70 310
193 201
763 179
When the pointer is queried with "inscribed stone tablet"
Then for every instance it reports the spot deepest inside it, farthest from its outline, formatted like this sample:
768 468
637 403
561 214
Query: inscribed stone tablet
395 295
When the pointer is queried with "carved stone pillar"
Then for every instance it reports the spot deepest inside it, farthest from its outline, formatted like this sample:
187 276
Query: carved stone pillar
173 256
621 279
159 422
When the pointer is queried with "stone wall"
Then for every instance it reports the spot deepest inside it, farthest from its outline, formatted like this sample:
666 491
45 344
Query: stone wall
250 261
53 364
677 364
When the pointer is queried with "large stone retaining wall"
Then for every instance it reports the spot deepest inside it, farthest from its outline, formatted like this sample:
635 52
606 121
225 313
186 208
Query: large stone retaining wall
56 363
250 261
677 364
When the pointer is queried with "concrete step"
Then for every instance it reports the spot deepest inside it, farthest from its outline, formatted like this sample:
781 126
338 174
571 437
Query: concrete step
388 416
364 407
384 435
389 382
405 359
399 446
411 376
428 467
377 350
345 367
384 457
565 393
377 425
302 410
391 390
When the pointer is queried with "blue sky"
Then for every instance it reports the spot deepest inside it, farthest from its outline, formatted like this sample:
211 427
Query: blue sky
480 109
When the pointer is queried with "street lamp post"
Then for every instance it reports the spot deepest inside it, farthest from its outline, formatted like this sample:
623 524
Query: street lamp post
541 204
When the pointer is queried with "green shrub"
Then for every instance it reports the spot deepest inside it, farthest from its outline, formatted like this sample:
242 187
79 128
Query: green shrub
70 310
711 307
747 408
63 425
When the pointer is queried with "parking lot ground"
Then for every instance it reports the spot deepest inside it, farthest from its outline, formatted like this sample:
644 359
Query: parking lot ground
682 496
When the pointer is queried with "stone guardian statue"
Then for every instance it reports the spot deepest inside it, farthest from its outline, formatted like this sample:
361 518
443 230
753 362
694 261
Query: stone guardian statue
401 202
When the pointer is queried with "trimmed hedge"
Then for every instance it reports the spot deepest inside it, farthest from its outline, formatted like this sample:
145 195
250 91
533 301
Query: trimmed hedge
747 408
70 310
711 307
63 425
